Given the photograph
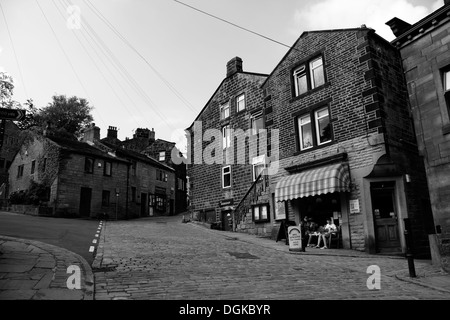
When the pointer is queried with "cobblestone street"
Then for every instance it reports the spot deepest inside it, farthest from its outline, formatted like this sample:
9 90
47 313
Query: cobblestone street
162 258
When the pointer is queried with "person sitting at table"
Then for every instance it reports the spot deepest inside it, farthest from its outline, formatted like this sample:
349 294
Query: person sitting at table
327 231
311 231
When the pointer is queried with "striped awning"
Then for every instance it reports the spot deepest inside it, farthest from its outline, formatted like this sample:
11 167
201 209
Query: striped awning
328 179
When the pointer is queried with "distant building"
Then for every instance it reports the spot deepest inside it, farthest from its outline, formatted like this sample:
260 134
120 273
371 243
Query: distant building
89 179
144 142
12 140
425 51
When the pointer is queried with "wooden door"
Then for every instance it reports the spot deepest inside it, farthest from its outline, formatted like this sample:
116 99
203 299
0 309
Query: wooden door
385 217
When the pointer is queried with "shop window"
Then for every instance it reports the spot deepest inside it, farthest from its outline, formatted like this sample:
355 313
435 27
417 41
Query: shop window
88 165
240 103
309 76
316 132
226 177
225 111
160 203
107 170
256 122
260 213
105 198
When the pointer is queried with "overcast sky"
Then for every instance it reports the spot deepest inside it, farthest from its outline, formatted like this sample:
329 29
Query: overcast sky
171 58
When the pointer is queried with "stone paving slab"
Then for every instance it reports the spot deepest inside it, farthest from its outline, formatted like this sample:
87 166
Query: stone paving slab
32 270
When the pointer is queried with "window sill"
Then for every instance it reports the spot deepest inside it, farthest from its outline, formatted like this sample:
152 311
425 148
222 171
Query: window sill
303 95
314 148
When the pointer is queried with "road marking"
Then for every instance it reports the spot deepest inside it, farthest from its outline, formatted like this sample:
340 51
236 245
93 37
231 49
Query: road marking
96 235
94 241
91 249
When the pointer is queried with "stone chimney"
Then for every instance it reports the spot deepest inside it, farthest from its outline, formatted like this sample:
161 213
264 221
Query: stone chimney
398 26
234 66
91 133
151 137
112 132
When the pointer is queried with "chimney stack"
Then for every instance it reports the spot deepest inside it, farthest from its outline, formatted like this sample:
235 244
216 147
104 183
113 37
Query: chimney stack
398 26
234 66
112 132
91 133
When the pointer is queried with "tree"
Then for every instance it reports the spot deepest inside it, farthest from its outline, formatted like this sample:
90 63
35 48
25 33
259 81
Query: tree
66 115
6 91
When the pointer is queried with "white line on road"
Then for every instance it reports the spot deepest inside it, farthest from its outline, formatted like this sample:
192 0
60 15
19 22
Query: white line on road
94 241
91 249
96 235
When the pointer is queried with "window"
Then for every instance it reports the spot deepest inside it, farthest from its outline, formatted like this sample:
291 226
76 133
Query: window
133 167
224 111
309 76
180 184
105 198
226 136
256 122
226 177
107 170
447 89
161 175
33 166
323 126
160 202
258 166
20 171
314 133
305 132
261 213
88 165
240 103
162 156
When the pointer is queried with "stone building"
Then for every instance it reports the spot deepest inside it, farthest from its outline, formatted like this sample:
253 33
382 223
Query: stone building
425 50
12 140
144 142
345 145
89 179
217 186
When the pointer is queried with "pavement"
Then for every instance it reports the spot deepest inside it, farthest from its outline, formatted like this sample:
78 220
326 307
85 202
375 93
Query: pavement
32 270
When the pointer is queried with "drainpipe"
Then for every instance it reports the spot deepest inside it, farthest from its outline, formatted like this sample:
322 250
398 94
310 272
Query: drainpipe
126 199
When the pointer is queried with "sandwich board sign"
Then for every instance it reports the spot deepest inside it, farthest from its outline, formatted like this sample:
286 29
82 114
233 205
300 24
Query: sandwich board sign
295 239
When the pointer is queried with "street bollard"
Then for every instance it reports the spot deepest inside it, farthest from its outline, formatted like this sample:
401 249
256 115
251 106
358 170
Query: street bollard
409 249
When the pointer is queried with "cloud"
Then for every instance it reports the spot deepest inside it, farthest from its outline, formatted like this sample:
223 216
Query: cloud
334 14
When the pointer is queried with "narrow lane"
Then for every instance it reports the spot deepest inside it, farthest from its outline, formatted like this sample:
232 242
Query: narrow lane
72 234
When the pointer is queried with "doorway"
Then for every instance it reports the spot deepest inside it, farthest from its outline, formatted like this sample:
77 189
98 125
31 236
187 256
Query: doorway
227 221
144 211
385 217
85 202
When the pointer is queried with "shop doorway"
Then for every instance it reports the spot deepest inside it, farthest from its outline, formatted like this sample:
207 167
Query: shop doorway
385 217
